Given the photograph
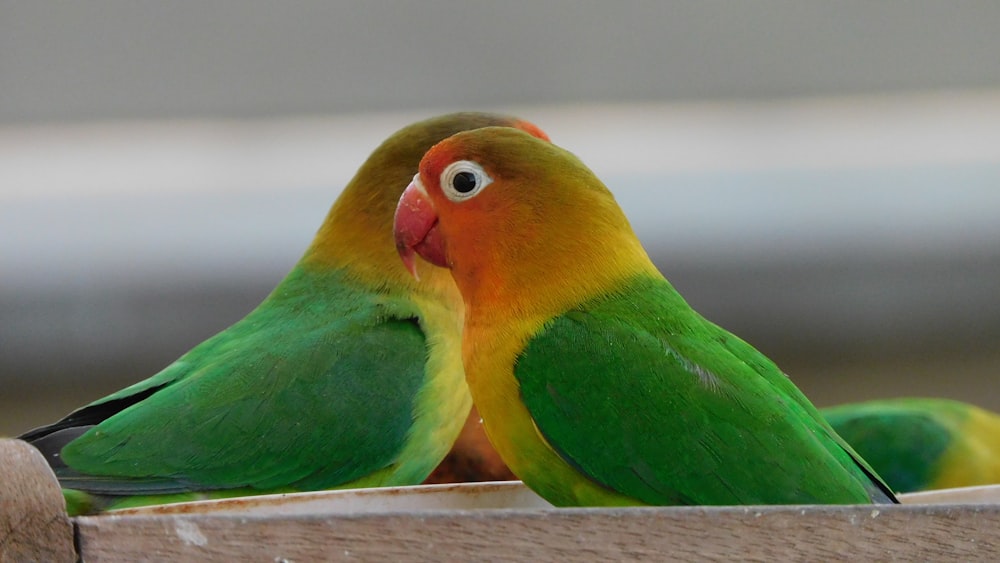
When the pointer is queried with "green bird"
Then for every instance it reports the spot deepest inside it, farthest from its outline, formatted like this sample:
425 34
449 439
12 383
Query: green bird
347 375
597 383
920 444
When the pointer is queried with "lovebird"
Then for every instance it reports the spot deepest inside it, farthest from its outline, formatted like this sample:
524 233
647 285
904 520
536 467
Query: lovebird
919 444
597 383
347 375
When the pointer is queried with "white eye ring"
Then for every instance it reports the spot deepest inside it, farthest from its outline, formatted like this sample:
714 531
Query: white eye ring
463 179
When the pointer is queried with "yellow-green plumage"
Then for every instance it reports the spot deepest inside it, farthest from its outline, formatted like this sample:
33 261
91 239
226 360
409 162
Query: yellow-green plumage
919 444
596 382
348 374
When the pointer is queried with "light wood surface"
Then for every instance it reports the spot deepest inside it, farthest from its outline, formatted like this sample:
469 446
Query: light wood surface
816 533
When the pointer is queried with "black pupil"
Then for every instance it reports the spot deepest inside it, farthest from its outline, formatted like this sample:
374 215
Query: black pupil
464 182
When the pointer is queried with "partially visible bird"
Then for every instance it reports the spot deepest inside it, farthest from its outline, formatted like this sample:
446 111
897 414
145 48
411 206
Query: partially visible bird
918 444
347 375
597 383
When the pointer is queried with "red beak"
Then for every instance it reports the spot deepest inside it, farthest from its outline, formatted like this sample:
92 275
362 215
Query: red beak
415 228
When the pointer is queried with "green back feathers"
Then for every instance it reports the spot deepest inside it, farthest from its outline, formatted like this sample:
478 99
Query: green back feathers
641 394
233 414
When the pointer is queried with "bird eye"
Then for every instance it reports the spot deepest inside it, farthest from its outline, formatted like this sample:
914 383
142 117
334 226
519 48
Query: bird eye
463 179
464 182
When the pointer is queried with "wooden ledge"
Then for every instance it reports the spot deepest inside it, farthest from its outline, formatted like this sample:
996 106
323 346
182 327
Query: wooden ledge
775 533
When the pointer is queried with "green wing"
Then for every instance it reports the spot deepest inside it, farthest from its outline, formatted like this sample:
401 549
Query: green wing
644 396
314 389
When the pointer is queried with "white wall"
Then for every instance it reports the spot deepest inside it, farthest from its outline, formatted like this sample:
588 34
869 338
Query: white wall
125 59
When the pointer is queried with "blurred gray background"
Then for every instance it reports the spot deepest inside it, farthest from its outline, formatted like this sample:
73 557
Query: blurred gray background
821 178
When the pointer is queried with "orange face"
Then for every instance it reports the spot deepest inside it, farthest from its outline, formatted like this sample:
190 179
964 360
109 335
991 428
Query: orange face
450 178
513 217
